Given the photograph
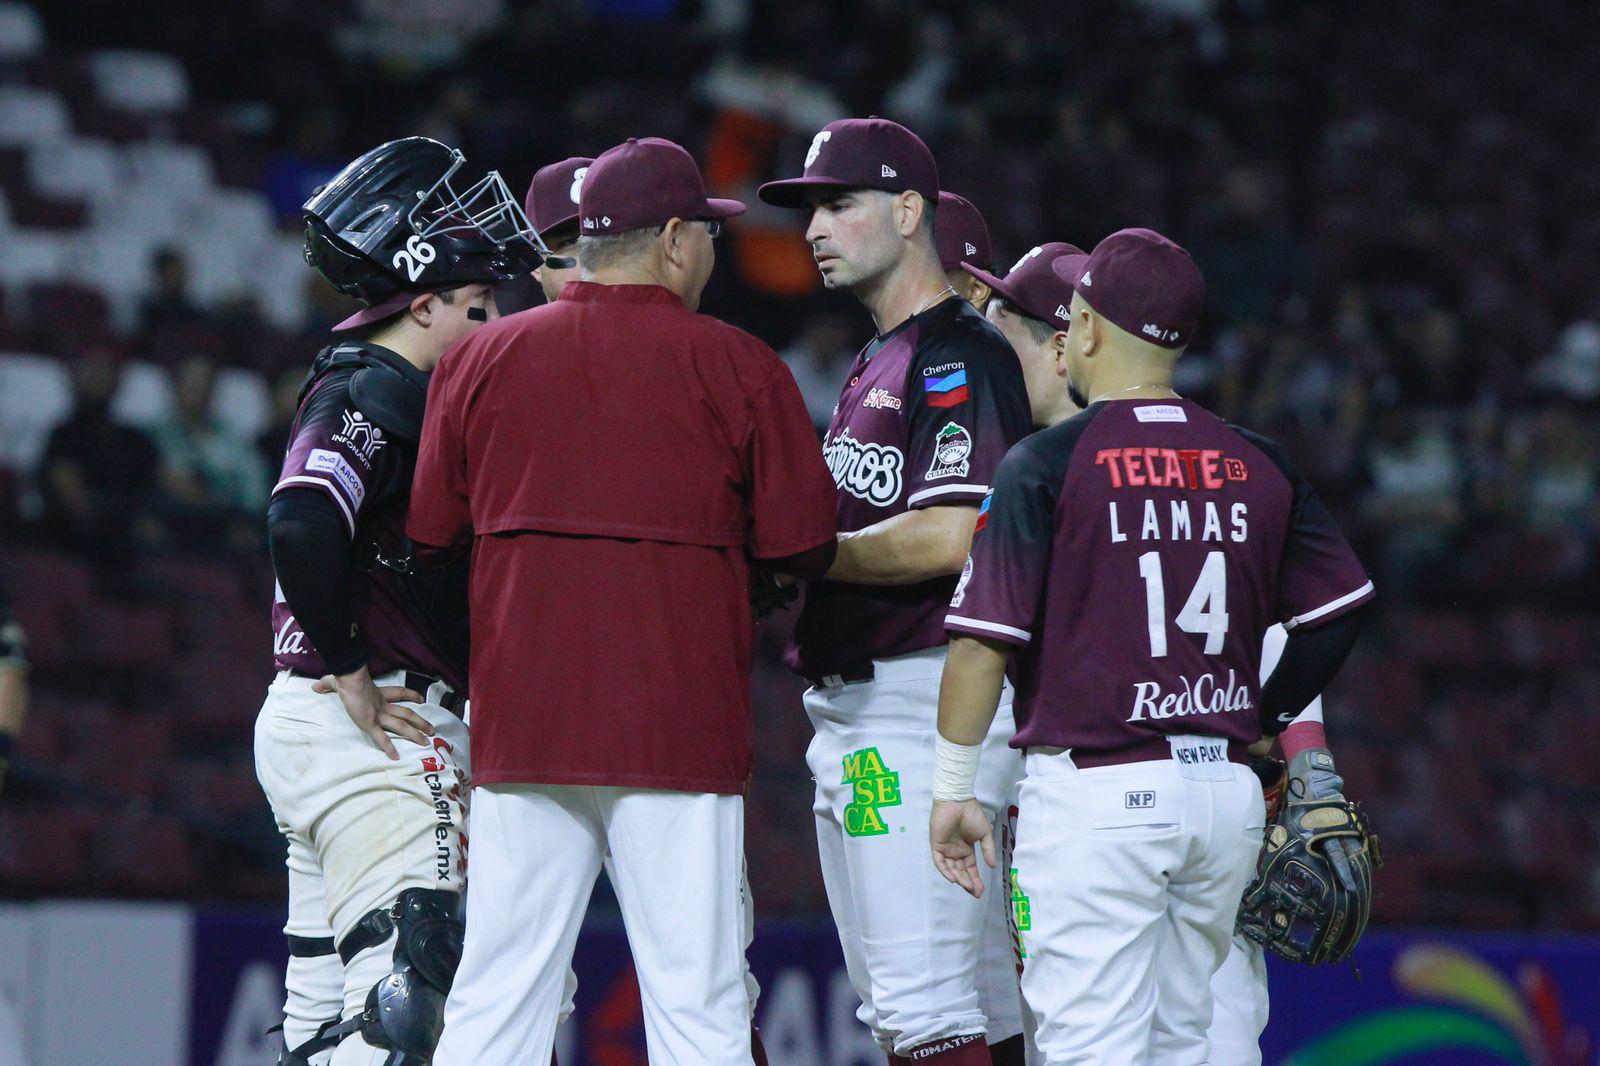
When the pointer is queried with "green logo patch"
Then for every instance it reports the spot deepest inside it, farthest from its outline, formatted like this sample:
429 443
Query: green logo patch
875 786
1021 911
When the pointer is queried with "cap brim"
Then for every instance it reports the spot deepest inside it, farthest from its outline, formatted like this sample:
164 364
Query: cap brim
791 192
716 208
378 311
996 285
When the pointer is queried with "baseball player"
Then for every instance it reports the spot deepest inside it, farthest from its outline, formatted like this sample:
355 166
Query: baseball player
613 528
359 746
1134 556
1029 306
962 236
930 406
552 208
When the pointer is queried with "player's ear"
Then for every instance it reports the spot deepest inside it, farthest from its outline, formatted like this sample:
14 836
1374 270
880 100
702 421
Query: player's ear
1087 331
422 309
1058 352
672 243
980 294
908 209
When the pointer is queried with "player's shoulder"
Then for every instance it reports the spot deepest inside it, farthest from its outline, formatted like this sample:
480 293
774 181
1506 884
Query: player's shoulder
1274 452
963 335
1046 454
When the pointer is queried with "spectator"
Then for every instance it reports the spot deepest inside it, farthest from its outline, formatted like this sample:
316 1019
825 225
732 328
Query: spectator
96 474
213 483
169 308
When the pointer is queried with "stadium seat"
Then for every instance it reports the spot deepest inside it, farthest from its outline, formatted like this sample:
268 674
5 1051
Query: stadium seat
140 81
144 398
29 116
35 394
21 33
83 167
64 304
33 256
180 173
241 403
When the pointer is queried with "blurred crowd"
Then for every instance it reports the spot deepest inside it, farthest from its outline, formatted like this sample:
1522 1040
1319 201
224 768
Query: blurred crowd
1400 258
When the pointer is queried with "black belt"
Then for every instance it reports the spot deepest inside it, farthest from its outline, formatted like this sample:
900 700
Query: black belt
847 676
451 701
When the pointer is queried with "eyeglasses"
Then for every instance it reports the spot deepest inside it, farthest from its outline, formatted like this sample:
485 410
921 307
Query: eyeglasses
713 226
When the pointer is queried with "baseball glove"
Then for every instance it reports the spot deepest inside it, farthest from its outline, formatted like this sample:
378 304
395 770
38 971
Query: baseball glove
1300 906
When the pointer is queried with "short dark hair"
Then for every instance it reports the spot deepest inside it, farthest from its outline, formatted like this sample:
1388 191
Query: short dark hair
1039 330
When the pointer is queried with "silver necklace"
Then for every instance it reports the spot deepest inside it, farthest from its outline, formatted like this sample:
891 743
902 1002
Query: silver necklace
1131 388
948 289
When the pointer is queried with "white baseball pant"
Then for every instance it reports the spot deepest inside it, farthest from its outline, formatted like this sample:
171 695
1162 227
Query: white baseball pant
361 828
1130 878
678 869
912 941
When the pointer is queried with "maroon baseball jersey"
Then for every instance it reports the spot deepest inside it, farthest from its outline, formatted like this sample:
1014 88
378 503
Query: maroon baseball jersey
1137 554
615 459
336 449
928 412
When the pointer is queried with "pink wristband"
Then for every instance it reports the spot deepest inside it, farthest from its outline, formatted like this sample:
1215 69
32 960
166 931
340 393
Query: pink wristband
1302 736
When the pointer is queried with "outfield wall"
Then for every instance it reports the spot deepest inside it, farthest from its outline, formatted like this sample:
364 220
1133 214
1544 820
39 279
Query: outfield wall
91 984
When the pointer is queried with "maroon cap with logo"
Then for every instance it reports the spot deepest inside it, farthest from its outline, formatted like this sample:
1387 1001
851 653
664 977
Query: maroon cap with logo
553 195
642 182
1145 284
860 153
1040 283
960 233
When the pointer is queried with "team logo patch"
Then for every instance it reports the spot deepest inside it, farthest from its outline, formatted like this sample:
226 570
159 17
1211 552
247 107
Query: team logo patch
948 391
1140 801
322 461
867 471
961 586
951 450
1029 254
1021 911
815 150
983 511
1161 412
873 787
577 183
882 398
359 434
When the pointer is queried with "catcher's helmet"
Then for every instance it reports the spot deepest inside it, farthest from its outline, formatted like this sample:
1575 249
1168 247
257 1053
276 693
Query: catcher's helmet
391 222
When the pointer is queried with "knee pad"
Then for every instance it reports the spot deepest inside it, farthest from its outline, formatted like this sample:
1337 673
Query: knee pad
404 1012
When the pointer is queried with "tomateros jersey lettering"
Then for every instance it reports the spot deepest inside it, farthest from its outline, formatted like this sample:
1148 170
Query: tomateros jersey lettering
927 413
1138 561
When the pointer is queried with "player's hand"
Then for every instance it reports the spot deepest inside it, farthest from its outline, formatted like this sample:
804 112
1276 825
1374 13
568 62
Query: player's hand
1313 775
953 829
377 712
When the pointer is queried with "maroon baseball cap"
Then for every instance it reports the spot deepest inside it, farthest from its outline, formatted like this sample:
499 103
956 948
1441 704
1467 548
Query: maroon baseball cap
553 195
1036 284
1145 284
378 312
960 233
642 182
860 153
